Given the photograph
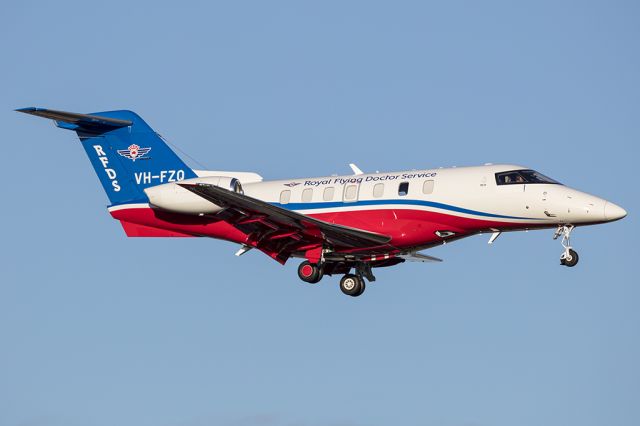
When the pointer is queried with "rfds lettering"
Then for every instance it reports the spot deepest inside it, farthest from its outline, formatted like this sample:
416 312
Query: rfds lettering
109 171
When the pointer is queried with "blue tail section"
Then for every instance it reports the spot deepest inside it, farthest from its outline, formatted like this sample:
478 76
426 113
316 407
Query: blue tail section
127 155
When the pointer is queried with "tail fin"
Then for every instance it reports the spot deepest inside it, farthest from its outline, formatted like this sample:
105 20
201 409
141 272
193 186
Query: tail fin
127 155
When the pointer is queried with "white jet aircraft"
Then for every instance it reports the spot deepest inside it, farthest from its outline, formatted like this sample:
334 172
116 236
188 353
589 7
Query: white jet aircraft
338 224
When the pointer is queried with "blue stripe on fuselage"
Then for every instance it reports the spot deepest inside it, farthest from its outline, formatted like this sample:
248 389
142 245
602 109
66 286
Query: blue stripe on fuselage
336 204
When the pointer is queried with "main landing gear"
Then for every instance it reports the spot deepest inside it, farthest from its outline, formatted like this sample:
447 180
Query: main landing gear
351 284
310 272
569 257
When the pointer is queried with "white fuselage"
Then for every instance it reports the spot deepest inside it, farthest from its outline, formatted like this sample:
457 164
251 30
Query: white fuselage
417 208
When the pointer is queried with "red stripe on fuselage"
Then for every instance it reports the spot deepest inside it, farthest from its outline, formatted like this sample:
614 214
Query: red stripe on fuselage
186 224
411 228
408 228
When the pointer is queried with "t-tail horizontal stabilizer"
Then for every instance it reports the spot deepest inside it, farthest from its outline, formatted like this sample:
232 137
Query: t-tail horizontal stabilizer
75 121
127 155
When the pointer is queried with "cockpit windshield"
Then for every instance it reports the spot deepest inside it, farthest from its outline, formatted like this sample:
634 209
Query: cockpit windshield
522 176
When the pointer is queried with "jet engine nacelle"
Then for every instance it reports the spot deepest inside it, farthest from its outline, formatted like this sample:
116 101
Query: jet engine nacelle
174 198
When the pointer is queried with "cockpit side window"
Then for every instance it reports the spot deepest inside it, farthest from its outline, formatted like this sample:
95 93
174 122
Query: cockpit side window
532 176
523 176
509 178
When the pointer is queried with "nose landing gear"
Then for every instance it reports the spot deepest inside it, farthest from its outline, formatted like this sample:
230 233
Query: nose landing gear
569 257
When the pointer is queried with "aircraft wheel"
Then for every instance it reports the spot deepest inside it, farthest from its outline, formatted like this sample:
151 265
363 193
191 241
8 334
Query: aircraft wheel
309 272
571 259
352 285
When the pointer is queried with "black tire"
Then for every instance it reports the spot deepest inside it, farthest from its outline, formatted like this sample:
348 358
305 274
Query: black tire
309 272
573 261
352 285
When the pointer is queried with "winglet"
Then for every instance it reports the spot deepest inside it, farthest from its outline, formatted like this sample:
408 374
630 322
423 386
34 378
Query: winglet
356 169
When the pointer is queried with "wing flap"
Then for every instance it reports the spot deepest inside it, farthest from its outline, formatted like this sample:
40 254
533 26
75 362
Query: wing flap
258 211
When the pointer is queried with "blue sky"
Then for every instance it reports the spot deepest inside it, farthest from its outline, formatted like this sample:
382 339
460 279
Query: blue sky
97 329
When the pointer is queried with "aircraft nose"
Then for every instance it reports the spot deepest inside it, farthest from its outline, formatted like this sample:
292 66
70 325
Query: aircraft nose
613 211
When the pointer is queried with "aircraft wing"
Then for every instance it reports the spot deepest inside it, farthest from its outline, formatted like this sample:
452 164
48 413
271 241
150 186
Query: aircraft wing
280 232
419 257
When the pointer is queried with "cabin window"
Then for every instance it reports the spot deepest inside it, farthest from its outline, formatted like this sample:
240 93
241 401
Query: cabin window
427 187
378 190
328 193
285 196
307 194
515 177
350 192
403 189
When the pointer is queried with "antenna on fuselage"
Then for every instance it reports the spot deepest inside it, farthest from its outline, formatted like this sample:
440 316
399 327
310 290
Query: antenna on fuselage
356 169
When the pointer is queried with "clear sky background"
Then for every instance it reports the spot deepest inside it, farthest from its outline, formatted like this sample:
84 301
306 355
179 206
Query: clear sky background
100 330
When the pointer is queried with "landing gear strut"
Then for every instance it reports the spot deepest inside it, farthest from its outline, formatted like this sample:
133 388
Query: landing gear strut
364 270
569 257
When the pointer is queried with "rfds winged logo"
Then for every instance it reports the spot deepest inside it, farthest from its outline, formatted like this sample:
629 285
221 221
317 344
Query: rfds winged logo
134 152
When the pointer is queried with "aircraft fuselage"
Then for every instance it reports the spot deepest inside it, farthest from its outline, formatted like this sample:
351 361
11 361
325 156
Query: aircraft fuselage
417 208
